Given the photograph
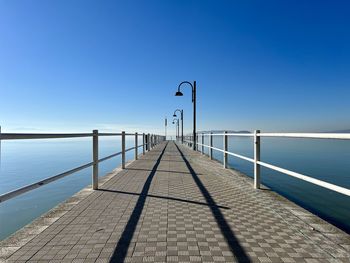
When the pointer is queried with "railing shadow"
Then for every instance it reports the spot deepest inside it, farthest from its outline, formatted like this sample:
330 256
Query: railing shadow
225 229
165 171
123 244
161 197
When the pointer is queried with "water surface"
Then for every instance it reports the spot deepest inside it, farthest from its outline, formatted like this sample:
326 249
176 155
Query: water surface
27 161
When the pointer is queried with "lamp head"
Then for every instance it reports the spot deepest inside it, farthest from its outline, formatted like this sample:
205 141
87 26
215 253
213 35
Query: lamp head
174 115
173 122
179 93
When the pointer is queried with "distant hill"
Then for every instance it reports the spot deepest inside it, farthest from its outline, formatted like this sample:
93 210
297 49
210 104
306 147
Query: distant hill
339 131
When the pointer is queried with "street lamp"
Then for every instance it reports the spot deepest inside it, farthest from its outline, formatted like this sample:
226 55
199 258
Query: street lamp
176 127
182 123
179 93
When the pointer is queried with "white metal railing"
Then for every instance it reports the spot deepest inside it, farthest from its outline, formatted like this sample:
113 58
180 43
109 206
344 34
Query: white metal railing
257 135
148 142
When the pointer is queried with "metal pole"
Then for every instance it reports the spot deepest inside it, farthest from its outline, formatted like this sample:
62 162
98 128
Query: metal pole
211 145
256 159
136 145
182 126
143 143
202 143
95 159
194 112
178 130
225 149
175 133
123 149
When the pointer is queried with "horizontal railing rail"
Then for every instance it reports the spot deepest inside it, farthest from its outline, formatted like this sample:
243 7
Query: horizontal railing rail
30 136
256 160
338 136
148 142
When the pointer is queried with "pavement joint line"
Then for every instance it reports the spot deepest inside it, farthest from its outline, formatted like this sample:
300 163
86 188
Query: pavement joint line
170 227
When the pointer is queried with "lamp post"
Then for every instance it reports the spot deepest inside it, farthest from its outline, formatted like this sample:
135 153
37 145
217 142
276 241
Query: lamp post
182 123
179 93
176 127
166 125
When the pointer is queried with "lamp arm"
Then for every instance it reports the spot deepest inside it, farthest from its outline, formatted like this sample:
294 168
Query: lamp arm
187 82
176 111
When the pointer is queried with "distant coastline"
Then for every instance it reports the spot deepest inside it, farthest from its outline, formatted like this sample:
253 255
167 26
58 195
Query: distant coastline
232 131
339 131
222 131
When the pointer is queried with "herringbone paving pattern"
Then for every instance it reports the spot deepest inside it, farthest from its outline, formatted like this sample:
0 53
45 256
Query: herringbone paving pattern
175 205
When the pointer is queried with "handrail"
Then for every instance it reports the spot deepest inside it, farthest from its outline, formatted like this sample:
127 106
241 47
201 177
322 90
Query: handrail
230 134
29 136
149 141
257 162
25 136
227 152
338 136
336 188
40 183
109 134
129 149
109 157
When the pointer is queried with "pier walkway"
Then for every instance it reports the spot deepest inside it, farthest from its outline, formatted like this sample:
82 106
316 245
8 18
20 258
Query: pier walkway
176 205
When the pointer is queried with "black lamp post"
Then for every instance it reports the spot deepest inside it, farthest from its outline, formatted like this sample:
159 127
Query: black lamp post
182 123
179 93
176 127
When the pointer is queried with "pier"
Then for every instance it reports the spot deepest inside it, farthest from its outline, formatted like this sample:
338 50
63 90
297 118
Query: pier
173 204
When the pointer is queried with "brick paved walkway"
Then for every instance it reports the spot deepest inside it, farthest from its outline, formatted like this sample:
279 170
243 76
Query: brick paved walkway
175 205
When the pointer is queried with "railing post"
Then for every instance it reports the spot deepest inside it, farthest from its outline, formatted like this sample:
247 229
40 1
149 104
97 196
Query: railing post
211 145
143 143
256 159
202 143
136 145
95 159
123 149
196 143
225 149
148 142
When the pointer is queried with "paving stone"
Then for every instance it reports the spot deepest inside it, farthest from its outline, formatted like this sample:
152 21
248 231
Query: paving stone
176 205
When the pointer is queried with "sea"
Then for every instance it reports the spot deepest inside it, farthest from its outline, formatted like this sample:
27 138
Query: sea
23 162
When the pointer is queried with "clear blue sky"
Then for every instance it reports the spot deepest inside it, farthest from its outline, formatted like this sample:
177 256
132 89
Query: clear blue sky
269 65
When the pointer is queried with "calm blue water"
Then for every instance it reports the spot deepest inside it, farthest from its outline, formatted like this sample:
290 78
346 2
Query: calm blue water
327 160
25 162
